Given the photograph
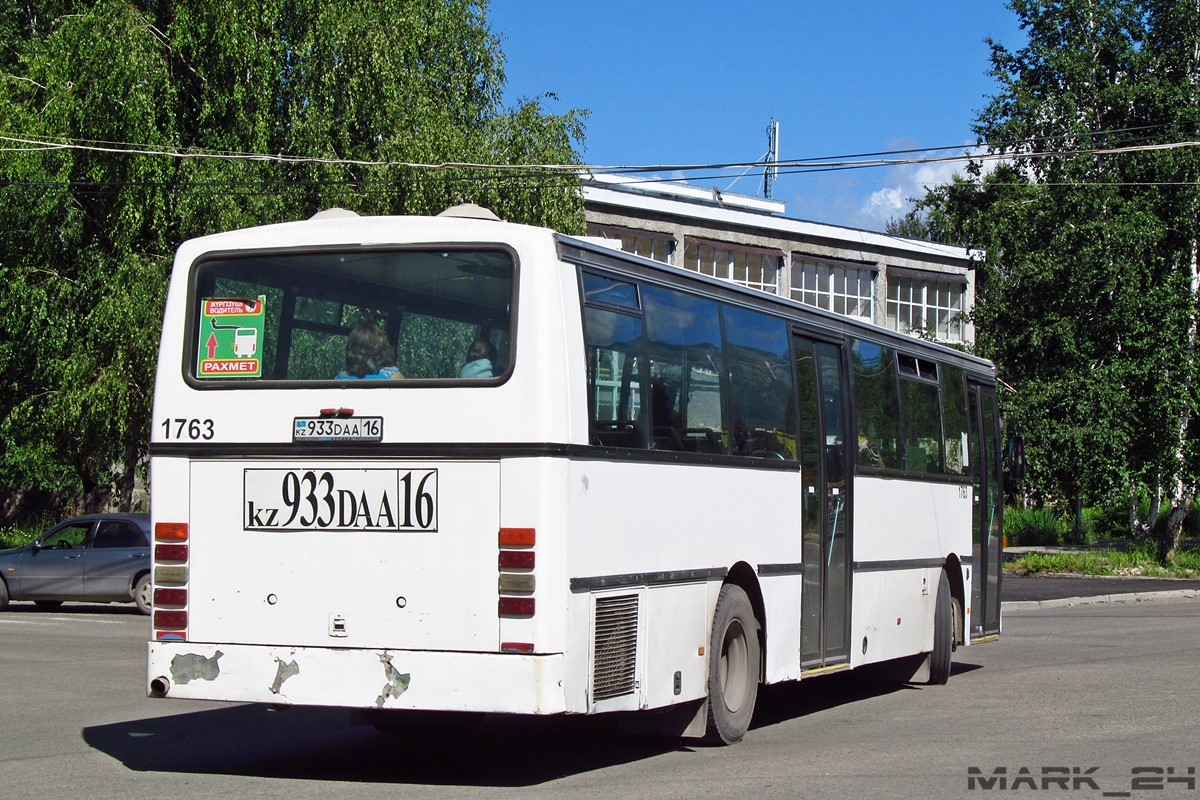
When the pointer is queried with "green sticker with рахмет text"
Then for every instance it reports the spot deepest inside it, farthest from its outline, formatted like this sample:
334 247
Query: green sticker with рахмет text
231 332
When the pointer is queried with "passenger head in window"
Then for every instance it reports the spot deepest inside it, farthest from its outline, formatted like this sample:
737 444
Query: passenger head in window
368 354
480 356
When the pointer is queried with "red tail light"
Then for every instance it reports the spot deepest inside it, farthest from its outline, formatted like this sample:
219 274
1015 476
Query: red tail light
170 552
516 583
174 618
170 597
516 606
516 559
170 580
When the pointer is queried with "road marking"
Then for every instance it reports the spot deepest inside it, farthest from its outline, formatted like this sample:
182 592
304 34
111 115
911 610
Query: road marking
57 620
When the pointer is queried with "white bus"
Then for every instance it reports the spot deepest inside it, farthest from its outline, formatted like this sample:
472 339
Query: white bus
663 489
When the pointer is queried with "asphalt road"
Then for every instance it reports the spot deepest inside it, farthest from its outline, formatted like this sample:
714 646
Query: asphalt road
1093 689
1042 588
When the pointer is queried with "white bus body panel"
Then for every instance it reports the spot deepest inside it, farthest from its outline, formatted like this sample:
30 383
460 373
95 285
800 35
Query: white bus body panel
893 607
361 678
346 588
620 532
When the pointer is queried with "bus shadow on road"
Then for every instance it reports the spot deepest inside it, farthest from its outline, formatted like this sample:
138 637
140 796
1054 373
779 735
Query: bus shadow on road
323 744
784 702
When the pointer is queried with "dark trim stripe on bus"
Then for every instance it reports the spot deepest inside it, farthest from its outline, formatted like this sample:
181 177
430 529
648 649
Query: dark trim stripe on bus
898 564
459 450
780 569
634 579
376 450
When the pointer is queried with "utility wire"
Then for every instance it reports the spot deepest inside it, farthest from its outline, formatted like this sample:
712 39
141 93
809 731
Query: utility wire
27 144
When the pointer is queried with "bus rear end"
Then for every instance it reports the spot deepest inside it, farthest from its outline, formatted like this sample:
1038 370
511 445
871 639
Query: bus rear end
339 408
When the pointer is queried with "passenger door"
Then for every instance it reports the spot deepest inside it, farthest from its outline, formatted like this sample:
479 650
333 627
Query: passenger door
825 481
987 545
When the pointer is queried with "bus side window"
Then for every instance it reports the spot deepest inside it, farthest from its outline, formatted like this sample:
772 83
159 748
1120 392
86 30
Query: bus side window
683 334
954 411
760 384
614 343
920 412
922 426
876 405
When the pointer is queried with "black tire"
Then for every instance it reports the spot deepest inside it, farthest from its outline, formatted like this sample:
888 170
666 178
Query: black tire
733 666
47 605
143 594
943 635
3 595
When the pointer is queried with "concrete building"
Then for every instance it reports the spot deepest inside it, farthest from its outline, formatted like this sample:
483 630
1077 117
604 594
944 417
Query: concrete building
906 285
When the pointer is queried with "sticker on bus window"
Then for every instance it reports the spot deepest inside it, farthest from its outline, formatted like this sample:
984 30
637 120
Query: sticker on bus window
231 332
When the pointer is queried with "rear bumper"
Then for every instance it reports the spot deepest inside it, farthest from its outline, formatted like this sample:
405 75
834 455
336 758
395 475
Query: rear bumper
355 678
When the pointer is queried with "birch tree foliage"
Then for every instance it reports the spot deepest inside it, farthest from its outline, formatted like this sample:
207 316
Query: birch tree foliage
1087 300
94 92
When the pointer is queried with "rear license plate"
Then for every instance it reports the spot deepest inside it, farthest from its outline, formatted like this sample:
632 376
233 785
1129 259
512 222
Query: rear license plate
340 499
337 429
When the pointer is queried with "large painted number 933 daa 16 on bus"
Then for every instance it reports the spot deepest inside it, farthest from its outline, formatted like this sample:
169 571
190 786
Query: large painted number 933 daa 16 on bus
417 466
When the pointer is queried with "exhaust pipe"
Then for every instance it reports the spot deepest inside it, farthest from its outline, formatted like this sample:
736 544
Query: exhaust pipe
159 687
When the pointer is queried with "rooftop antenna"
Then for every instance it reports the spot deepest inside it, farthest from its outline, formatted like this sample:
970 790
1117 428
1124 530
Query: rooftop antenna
772 158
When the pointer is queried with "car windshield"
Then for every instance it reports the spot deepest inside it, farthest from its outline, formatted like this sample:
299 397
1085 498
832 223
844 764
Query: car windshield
421 315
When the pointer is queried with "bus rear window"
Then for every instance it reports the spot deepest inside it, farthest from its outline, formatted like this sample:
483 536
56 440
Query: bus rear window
375 316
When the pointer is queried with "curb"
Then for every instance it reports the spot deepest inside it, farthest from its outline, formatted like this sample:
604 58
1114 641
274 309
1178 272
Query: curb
1126 597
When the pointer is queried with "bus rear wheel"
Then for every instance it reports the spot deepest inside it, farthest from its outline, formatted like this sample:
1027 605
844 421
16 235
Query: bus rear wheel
943 634
733 667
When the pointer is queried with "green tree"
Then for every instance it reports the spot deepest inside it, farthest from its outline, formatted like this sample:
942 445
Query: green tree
1087 299
98 98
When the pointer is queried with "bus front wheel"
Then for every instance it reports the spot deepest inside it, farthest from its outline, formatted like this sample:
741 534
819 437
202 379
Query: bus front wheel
733 666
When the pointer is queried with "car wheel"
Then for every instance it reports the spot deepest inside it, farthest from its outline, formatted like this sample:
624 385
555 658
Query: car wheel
143 594
3 595
47 605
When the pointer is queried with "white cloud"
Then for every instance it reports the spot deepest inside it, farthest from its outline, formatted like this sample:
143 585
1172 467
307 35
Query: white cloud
903 183
887 201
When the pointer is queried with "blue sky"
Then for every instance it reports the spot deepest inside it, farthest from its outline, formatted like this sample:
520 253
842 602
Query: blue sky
698 81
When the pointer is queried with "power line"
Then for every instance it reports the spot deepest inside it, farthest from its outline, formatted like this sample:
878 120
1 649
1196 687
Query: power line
535 176
860 161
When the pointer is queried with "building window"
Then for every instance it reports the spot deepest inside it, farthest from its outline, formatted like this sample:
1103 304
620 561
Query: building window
840 288
922 305
648 244
749 266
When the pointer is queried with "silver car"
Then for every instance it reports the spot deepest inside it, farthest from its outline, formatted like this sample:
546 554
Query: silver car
96 558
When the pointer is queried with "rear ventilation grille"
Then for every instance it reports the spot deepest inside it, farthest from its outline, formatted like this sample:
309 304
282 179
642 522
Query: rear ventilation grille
615 659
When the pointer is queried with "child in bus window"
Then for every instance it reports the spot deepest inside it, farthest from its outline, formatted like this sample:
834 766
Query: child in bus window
480 356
